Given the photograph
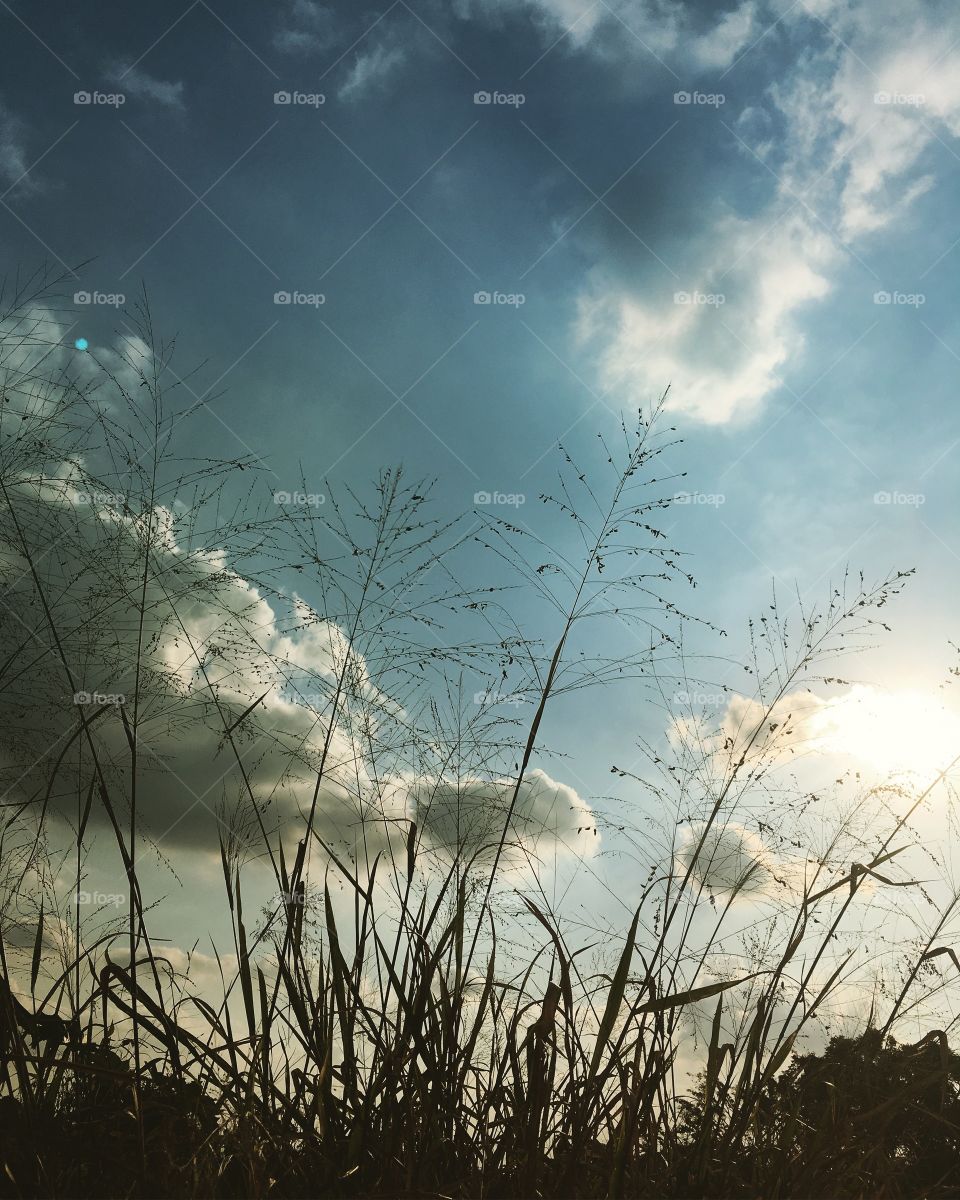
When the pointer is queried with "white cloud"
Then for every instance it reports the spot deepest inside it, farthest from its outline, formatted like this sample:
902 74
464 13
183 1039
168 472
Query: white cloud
883 95
718 48
213 643
469 815
138 83
307 27
720 339
904 732
726 858
839 164
627 31
372 70
202 620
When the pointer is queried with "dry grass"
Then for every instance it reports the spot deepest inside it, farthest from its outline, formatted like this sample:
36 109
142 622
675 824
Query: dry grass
414 1016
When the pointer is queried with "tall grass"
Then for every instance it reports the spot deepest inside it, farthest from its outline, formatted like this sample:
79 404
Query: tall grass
412 1012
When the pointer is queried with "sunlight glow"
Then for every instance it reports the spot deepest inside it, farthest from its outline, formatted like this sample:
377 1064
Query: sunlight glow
893 731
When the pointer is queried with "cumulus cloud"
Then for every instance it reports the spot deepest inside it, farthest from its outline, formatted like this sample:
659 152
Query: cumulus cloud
885 93
724 360
467 816
726 858
212 644
721 340
214 652
903 731
839 141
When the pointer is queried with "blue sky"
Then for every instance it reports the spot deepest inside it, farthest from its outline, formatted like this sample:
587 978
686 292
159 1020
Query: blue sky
752 203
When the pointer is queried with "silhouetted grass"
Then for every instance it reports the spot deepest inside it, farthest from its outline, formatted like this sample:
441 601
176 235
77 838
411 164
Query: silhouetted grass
411 1015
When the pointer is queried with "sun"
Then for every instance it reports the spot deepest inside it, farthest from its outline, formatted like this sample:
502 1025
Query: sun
900 731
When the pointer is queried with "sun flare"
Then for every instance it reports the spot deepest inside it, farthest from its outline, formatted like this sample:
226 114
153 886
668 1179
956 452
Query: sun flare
908 731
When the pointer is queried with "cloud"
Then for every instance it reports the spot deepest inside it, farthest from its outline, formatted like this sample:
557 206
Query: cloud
886 96
721 340
136 82
468 816
35 365
717 48
834 149
625 31
212 646
372 70
13 161
310 28
306 27
730 859
890 732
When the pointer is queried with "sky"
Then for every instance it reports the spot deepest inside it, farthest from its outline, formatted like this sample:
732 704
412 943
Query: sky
455 235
